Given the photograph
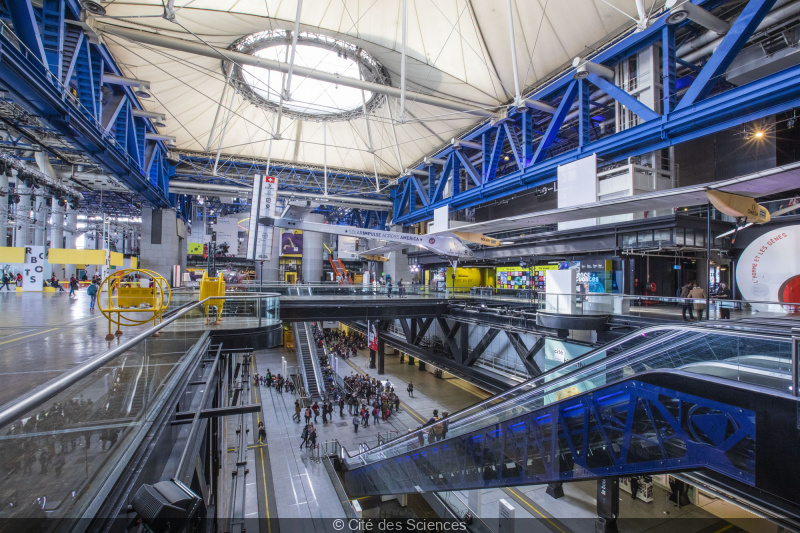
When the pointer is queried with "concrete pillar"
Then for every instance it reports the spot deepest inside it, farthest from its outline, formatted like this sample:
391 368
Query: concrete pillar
4 190
40 212
270 271
381 355
22 213
312 252
71 234
422 365
57 226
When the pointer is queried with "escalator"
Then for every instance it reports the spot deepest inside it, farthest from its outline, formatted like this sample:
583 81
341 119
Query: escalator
665 399
307 359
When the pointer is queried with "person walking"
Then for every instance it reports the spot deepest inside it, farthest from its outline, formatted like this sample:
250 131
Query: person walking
312 436
389 288
341 406
375 413
304 436
410 389
6 281
687 304
73 286
356 422
315 408
297 410
308 415
724 293
698 294
401 288
92 292
262 433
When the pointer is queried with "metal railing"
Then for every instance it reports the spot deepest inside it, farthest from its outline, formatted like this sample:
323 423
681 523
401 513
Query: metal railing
63 382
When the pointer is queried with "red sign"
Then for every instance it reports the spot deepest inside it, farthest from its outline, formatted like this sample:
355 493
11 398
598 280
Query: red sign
372 338
269 179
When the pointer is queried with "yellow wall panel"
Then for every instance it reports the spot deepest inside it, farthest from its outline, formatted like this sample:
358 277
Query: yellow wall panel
10 254
66 256
116 259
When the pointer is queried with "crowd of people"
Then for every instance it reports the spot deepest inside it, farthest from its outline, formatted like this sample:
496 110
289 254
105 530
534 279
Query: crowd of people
339 343
279 382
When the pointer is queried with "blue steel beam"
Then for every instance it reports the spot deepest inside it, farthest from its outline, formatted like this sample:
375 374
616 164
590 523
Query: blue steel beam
772 94
556 122
741 30
32 87
27 29
558 142
644 112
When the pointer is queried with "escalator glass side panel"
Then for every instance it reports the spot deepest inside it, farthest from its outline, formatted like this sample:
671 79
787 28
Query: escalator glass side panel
700 351
623 429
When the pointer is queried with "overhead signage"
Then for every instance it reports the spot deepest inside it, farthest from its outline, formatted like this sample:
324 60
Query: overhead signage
769 268
265 196
595 265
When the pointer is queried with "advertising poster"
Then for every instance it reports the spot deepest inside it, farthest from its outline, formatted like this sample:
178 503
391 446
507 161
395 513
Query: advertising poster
292 243
514 277
372 338
33 271
769 269
348 247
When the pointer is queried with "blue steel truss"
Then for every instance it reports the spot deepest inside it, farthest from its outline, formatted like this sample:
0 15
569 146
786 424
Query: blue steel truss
524 149
625 429
200 167
52 70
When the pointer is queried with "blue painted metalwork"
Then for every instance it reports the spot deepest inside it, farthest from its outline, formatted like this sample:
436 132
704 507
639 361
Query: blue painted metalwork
741 30
624 429
700 112
200 167
57 76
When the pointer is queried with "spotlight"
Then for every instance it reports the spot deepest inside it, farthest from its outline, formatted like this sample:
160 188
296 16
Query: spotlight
159 125
505 158
587 67
62 202
681 10
93 7
758 134
141 93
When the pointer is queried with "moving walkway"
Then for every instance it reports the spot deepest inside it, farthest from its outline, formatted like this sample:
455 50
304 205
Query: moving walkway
664 399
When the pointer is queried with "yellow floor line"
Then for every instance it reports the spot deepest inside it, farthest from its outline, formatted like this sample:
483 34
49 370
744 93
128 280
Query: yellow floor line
724 528
31 335
524 500
261 449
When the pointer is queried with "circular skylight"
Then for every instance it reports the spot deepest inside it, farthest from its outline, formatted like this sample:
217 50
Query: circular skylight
306 97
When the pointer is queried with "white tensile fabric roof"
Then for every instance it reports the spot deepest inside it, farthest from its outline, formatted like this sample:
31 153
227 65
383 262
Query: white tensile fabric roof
456 49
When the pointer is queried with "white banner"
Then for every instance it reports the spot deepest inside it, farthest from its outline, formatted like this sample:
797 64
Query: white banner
33 271
265 195
348 248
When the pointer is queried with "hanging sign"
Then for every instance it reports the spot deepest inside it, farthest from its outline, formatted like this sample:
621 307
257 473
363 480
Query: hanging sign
259 237
372 338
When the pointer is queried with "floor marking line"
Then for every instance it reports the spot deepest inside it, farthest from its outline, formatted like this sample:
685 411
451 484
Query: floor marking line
261 449
724 528
31 335
524 499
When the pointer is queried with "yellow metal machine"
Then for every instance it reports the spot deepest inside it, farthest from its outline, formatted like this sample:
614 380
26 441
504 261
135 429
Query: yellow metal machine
213 287
131 302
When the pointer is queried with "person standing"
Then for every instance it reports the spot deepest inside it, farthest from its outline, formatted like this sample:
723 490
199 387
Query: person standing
356 422
73 286
724 293
308 415
6 281
92 292
410 389
315 408
389 288
687 304
262 433
698 295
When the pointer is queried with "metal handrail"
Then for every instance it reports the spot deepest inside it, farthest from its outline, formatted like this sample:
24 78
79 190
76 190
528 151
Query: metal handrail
535 383
68 379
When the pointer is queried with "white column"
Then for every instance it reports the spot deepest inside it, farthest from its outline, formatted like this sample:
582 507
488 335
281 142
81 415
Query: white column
312 252
40 221
71 235
22 212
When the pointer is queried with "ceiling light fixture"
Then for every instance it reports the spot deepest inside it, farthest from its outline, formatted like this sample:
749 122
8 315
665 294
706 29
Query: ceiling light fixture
584 68
680 10
93 7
